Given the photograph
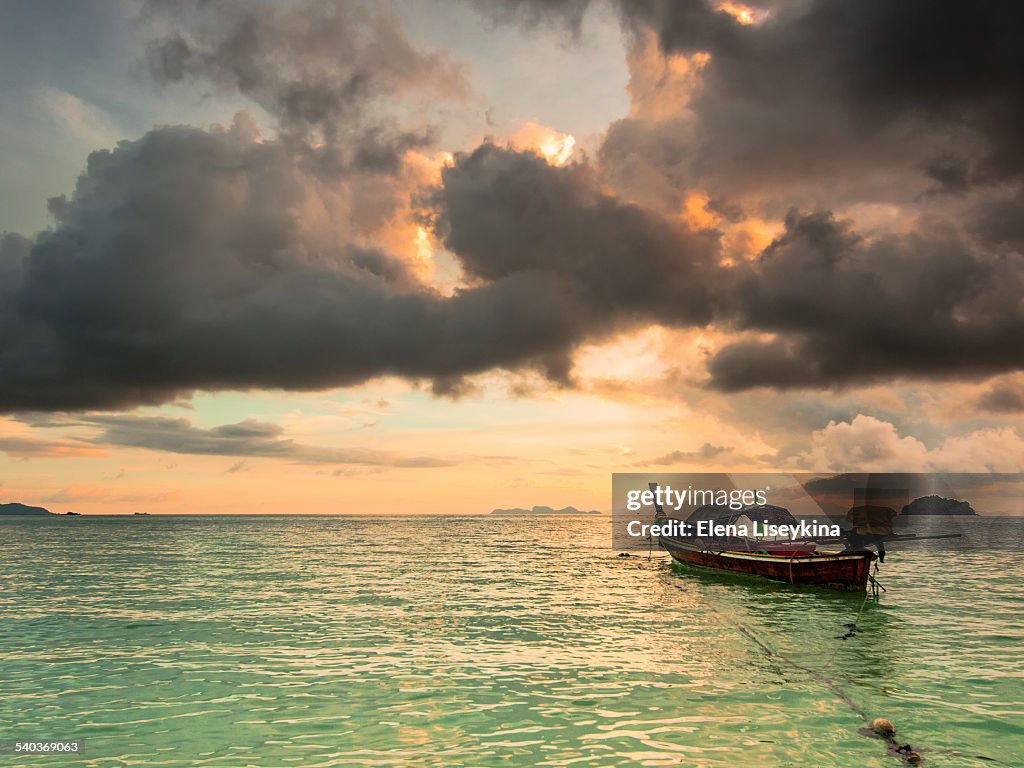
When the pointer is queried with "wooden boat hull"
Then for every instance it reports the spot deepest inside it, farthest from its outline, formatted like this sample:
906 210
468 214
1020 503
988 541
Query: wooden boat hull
848 570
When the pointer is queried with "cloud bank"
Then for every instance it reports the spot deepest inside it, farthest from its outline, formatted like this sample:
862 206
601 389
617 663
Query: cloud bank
250 438
193 259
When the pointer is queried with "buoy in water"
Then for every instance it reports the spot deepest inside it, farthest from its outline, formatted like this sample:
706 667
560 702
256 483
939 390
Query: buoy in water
882 727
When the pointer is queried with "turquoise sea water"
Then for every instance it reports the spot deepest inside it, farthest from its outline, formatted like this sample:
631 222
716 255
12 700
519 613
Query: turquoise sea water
332 641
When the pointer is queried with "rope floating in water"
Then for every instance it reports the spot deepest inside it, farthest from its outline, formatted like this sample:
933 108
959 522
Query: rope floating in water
904 751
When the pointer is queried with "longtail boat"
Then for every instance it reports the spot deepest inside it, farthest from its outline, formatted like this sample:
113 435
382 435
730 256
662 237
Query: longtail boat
836 570
795 562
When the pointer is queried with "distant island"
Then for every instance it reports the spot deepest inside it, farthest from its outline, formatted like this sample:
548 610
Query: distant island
540 510
14 508
936 505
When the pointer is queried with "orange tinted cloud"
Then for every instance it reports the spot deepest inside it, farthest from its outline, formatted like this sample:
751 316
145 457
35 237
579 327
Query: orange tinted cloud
661 87
741 240
33 448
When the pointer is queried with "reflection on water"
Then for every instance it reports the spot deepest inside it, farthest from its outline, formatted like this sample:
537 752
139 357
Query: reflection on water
486 641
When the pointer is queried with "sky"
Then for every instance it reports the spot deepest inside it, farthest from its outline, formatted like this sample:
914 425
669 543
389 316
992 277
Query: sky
441 257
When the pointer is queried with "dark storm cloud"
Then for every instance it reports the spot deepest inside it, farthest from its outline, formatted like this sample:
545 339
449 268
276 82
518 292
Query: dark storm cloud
999 220
899 100
831 86
212 260
327 70
848 309
902 102
506 213
180 260
1003 396
182 263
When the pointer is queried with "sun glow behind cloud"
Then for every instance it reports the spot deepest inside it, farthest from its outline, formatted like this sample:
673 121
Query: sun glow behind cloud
742 239
556 147
743 14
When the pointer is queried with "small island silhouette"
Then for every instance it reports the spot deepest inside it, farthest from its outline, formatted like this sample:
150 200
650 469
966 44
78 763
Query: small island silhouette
542 510
936 505
17 508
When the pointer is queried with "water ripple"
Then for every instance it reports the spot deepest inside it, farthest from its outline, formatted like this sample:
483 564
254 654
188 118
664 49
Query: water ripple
481 642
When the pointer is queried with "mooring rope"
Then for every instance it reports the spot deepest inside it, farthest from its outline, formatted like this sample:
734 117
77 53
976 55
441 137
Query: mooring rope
851 630
878 728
